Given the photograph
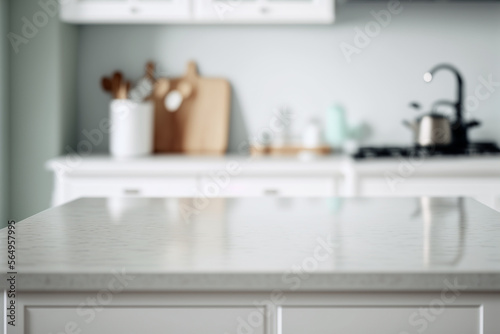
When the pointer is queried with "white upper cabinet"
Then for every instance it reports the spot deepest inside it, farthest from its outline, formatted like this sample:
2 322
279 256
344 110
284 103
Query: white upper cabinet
198 11
264 11
125 11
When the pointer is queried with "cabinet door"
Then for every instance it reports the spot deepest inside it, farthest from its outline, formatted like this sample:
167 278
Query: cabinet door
134 320
370 320
264 11
125 11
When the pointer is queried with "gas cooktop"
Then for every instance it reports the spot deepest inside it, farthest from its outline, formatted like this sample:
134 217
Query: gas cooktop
473 149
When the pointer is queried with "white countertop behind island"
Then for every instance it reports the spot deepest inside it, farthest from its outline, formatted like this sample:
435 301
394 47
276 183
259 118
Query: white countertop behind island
238 176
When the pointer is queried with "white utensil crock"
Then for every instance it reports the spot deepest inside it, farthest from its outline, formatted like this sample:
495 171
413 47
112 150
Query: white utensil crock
131 132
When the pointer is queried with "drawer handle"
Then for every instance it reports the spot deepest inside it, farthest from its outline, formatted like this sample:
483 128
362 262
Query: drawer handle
131 192
271 192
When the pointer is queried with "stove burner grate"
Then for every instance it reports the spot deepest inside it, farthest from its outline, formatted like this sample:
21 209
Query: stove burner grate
473 149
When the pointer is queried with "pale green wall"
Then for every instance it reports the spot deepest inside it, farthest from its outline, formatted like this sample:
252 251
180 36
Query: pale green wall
4 195
42 100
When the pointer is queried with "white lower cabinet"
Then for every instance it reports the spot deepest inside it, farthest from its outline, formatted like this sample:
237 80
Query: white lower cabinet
137 320
370 320
73 187
184 176
450 311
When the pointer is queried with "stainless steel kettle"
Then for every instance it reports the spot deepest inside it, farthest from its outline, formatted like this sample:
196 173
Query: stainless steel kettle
431 129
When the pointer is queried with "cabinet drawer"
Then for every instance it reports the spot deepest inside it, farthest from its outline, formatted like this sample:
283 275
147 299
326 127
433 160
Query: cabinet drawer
369 320
126 187
134 320
243 186
428 186
283 11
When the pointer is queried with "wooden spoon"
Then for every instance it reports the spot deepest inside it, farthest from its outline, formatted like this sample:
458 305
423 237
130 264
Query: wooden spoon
116 82
122 92
127 87
161 88
106 84
185 88
143 90
150 70
165 123
176 97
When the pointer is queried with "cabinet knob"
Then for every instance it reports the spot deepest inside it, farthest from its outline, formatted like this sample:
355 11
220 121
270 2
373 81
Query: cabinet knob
131 192
271 192
265 10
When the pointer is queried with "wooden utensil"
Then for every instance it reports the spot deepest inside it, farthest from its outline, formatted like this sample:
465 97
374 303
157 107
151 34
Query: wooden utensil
185 88
176 97
143 90
116 82
122 92
201 124
150 70
106 84
173 100
163 136
127 87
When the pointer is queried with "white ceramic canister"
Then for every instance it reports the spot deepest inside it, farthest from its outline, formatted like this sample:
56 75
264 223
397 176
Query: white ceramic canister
131 133
312 136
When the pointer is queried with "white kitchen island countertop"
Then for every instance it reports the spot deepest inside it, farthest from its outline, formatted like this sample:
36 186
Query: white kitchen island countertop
255 244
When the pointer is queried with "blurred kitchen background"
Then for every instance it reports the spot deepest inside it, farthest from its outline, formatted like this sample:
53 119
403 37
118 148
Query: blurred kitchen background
50 89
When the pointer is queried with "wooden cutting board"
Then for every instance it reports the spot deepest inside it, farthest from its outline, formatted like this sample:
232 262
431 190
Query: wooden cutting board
289 150
201 125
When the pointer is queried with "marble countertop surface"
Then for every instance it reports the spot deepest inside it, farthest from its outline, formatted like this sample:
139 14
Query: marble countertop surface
299 244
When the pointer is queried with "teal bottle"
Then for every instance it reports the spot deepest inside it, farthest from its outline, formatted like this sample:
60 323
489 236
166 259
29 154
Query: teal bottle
336 126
